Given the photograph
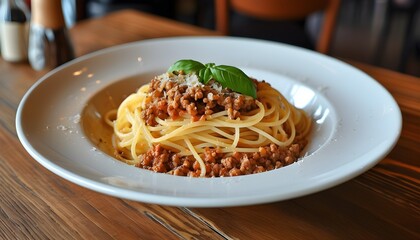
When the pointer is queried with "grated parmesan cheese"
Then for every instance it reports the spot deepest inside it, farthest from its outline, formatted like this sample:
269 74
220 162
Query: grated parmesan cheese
190 80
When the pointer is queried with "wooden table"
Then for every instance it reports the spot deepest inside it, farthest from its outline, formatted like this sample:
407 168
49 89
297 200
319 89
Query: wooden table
382 203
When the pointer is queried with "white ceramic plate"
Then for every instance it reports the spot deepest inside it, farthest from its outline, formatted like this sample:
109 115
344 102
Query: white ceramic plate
357 122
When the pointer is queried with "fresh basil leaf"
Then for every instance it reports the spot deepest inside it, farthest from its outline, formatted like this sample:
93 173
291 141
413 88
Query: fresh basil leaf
235 79
205 75
186 65
227 76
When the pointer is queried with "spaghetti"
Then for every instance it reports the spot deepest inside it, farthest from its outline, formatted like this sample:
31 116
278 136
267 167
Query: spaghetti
177 125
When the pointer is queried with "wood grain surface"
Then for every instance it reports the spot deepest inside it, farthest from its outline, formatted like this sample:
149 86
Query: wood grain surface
382 203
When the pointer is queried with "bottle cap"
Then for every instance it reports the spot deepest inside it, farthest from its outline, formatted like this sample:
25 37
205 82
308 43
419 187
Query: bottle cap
47 13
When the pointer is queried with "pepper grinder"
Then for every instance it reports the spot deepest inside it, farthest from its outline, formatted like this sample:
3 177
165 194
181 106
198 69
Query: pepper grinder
49 40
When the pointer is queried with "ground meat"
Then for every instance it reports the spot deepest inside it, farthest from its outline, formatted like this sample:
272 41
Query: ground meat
267 158
170 99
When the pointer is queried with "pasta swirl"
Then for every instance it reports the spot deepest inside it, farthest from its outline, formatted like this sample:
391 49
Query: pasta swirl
273 120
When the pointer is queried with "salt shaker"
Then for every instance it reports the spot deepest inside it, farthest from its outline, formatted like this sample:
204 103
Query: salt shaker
49 40
14 24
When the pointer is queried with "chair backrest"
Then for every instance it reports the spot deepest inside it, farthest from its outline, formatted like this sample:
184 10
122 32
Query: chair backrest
281 10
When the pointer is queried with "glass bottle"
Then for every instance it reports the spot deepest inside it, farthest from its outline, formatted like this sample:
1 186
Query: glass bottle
49 39
14 30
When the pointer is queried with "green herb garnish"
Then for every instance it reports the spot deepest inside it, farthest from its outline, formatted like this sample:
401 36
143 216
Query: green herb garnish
227 76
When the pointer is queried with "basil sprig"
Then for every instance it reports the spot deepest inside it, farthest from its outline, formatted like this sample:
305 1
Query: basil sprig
227 76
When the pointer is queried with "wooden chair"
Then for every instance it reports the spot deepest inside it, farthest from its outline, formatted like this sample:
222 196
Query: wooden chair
281 10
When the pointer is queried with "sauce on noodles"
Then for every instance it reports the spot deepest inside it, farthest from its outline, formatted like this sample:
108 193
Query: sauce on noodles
177 125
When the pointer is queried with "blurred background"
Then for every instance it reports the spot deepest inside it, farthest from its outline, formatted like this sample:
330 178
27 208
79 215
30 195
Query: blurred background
383 33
